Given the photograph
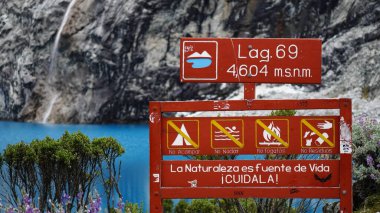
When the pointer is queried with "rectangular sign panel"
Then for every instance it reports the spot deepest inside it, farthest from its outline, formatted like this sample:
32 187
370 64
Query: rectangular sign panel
250 173
254 60
301 178
250 135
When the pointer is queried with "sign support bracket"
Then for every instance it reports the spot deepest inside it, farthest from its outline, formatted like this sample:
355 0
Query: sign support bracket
249 91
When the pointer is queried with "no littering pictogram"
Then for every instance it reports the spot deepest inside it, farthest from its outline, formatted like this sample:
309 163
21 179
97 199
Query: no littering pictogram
183 134
318 133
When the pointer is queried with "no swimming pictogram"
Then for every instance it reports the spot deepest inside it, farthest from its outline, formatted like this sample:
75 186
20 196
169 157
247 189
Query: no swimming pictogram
227 133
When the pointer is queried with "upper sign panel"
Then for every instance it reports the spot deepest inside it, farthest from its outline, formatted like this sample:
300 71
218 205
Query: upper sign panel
223 60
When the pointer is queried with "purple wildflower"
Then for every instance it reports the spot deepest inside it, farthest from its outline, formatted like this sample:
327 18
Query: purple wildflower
79 195
120 204
10 210
96 204
26 199
378 166
361 119
370 161
65 198
28 209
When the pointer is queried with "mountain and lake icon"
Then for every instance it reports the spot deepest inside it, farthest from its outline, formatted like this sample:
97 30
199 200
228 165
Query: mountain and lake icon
197 60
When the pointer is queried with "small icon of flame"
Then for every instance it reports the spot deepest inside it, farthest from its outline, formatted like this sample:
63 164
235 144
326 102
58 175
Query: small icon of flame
267 136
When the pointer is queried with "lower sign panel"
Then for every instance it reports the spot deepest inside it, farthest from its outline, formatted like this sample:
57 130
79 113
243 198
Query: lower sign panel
250 173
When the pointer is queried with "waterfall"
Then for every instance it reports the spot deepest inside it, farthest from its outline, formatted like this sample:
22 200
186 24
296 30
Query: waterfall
53 59
58 36
49 109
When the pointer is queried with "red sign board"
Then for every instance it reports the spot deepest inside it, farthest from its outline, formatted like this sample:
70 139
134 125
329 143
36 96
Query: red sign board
303 178
250 135
250 173
251 60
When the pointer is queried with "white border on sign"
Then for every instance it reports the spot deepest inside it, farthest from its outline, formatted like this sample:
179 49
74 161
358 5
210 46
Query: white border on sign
183 61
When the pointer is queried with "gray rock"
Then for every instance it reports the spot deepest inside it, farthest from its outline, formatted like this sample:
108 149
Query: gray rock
114 56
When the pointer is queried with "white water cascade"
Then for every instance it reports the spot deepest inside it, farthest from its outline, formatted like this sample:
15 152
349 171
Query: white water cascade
50 108
53 59
58 36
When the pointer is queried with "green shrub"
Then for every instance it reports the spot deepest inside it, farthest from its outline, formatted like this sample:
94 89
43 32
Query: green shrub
182 207
202 205
168 206
283 112
63 172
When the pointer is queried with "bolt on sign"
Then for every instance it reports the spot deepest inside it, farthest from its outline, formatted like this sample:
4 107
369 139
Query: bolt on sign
251 60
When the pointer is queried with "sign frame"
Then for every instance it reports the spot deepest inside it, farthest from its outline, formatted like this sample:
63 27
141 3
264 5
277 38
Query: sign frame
158 193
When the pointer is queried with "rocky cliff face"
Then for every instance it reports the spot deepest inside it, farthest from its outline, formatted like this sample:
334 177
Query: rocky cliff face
114 56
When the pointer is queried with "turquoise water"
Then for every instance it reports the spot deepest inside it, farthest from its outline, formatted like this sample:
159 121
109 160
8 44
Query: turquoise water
134 182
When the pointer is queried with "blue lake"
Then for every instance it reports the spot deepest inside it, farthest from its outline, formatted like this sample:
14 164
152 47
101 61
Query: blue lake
134 182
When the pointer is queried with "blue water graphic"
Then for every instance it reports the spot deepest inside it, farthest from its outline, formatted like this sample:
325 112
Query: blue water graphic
199 62
134 183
